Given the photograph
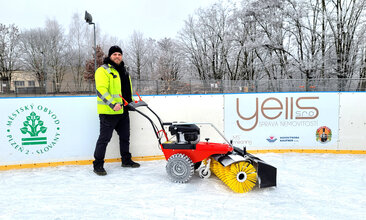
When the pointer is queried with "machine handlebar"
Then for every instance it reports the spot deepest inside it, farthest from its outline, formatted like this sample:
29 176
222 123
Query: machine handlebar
135 104
132 106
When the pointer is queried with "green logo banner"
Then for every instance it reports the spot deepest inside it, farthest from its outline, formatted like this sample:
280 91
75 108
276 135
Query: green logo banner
33 129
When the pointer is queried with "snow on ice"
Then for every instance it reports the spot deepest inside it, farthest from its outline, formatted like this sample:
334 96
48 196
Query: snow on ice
309 186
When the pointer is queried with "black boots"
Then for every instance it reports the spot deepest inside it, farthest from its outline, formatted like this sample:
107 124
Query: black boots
99 170
127 162
98 167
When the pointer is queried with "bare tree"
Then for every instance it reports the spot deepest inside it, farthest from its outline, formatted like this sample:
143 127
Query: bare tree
269 16
206 41
244 64
9 51
344 17
258 40
323 37
78 48
216 27
168 64
195 47
137 49
56 53
362 83
34 48
151 54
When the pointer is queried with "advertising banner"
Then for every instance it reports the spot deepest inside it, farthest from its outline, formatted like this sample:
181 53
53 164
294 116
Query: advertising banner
282 120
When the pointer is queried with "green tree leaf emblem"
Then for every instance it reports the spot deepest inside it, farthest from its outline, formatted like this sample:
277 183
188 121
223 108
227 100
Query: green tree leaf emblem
33 125
24 130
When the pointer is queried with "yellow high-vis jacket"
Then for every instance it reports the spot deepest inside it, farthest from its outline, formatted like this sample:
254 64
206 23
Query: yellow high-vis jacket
108 85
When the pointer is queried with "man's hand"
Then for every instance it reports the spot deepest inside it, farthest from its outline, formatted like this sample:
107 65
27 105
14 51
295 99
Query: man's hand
117 107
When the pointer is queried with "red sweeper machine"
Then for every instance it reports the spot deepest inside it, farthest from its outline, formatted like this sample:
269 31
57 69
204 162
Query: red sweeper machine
185 154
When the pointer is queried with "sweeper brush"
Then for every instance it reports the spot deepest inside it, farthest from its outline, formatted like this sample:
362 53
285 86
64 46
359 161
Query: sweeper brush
239 170
241 177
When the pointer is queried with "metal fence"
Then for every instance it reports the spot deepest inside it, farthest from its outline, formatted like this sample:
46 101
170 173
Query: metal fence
253 86
151 87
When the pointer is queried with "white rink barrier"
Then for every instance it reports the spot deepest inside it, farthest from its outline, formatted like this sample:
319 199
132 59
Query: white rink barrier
63 130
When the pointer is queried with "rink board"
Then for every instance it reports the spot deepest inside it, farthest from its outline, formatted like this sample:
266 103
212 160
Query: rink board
60 129
352 121
69 127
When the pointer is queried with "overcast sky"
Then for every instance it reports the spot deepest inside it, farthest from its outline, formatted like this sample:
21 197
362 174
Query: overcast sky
118 18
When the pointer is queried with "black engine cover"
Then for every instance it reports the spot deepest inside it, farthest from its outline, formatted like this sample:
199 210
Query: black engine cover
184 128
185 133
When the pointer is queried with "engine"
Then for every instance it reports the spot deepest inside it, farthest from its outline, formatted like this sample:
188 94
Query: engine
185 133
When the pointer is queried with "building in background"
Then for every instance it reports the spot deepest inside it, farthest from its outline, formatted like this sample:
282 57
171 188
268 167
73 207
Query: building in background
21 82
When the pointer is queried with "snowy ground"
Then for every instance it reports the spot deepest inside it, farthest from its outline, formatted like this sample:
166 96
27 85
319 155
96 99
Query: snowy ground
310 186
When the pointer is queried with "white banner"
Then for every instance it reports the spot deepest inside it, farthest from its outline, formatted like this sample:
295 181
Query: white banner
53 129
47 129
282 120
352 121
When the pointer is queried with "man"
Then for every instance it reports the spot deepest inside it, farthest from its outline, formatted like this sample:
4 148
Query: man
112 80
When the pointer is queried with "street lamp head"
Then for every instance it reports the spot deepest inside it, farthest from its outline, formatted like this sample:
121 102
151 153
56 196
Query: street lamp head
88 18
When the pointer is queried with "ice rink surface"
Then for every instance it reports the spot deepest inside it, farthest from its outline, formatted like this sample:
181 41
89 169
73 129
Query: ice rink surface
309 186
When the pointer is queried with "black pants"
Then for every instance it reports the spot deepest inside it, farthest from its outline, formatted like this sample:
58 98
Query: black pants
108 123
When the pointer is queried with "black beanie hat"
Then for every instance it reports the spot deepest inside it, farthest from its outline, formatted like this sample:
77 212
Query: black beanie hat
114 49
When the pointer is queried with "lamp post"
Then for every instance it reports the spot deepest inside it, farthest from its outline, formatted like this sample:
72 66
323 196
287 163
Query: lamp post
89 20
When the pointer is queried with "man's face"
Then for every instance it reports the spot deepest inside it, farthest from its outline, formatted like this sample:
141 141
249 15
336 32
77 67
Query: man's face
116 57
